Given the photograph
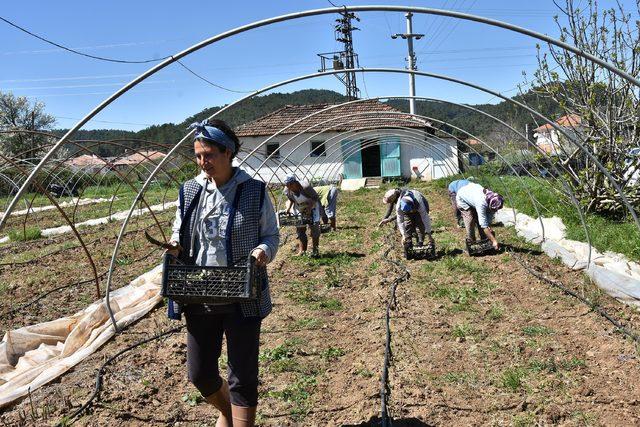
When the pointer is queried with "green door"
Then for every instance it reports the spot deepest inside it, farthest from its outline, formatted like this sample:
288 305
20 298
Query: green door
390 157
352 160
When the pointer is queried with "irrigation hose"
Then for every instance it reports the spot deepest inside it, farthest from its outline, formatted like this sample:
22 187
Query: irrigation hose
385 389
71 419
621 328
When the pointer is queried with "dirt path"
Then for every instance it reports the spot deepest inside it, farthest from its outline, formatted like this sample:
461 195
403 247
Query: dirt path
476 341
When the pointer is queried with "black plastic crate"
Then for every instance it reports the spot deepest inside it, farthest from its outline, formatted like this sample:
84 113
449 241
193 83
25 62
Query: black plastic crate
420 252
479 247
195 284
295 220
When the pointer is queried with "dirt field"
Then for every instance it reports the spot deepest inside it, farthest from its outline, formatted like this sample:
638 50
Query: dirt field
475 341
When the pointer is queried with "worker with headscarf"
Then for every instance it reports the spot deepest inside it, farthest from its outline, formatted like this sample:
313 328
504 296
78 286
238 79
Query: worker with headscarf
478 206
411 215
307 202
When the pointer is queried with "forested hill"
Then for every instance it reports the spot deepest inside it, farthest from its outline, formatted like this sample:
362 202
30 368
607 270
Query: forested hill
474 123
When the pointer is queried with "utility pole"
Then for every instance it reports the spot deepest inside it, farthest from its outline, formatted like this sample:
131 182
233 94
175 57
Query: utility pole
411 59
345 59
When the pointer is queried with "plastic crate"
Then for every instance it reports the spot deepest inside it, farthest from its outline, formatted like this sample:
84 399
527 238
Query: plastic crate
294 220
479 247
420 252
192 284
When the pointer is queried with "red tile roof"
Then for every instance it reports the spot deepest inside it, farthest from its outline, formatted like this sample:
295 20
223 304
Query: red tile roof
568 121
371 110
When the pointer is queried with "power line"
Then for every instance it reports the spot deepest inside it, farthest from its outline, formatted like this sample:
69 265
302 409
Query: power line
210 82
100 58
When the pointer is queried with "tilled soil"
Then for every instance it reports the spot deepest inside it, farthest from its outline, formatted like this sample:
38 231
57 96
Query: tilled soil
475 341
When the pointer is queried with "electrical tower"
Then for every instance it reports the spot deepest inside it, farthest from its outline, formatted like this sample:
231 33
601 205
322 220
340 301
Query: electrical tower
346 58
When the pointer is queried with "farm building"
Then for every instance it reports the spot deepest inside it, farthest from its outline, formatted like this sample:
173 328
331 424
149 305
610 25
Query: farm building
357 140
550 141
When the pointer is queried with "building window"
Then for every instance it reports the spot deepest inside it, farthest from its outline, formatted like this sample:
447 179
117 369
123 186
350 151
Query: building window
318 149
273 149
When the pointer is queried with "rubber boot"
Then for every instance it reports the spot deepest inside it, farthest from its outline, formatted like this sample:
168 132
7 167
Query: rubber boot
222 402
243 417
333 223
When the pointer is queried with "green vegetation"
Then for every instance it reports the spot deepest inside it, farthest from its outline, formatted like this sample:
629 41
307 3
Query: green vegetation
305 293
512 378
23 235
193 398
536 330
332 353
280 358
298 394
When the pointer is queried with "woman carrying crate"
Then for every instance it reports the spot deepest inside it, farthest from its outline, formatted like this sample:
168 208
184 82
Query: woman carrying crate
478 206
223 217
307 202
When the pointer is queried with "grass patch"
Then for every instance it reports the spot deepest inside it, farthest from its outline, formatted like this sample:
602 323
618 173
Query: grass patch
537 330
332 354
305 323
460 378
280 358
462 330
461 298
513 378
337 259
298 395
305 293
23 235
496 312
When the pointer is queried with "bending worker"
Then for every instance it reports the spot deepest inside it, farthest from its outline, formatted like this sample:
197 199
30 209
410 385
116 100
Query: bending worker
224 215
307 202
478 205
412 215
454 187
328 201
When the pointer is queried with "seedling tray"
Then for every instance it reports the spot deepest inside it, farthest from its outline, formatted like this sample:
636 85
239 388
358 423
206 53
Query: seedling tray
480 247
192 284
420 252
295 220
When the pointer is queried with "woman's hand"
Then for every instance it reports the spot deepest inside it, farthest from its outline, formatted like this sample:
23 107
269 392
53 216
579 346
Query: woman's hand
175 251
261 257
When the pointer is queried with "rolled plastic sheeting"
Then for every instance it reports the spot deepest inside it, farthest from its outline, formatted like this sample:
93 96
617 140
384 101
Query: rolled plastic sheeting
72 202
612 272
118 216
35 355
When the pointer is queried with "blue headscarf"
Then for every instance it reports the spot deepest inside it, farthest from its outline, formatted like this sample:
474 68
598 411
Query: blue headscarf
211 133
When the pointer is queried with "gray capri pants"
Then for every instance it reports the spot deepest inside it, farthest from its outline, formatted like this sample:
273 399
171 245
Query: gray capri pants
204 345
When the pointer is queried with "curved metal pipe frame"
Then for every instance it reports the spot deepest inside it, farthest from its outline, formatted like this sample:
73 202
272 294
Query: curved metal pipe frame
270 87
298 15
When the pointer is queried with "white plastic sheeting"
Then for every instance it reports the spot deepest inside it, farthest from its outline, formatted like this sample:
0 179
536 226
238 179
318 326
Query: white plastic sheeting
35 355
72 202
612 272
118 216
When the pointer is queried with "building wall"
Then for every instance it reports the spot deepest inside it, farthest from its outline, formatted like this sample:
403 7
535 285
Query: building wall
439 159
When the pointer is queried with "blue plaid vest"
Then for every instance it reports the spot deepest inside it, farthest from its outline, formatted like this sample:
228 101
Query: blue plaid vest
243 235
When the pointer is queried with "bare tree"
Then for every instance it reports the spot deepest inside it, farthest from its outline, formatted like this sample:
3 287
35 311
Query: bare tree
603 108
17 113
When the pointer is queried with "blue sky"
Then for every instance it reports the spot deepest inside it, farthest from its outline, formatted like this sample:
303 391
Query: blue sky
71 85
